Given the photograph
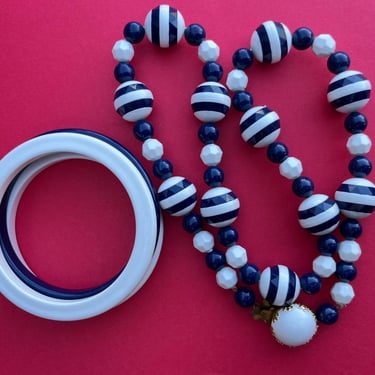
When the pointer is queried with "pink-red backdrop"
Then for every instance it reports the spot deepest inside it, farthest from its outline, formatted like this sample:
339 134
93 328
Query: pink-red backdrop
74 223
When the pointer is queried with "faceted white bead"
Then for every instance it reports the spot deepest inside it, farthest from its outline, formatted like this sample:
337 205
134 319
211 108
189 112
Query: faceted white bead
123 51
342 293
349 251
236 256
152 149
291 168
226 278
203 241
324 266
324 45
211 154
237 80
359 144
208 50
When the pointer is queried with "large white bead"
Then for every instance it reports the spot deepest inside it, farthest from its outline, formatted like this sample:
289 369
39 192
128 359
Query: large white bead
226 278
203 241
291 168
324 266
237 80
349 251
342 293
294 325
211 154
323 45
236 256
123 51
359 144
208 50
152 149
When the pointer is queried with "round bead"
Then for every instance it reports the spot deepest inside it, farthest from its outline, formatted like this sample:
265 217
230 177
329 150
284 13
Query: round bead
123 51
355 122
219 206
327 314
356 197
143 130
152 149
195 34
236 256
327 244
260 126
192 223
342 293
311 283
208 50
227 236
242 101
324 266
177 196
294 325
303 187
210 102
319 214
226 278
279 285
203 241
360 166
212 71
302 38
291 168
346 271
243 58
211 154
249 273
244 297
164 26
338 62
349 91
215 260
359 144
323 45
213 176
350 229
277 152
162 169
349 251
237 80
271 42
124 72
134 32
208 133
133 101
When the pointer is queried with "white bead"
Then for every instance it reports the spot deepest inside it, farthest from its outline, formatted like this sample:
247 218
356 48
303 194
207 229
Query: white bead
291 168
226 278
203 241
237 80
349 251
359 144
208 50
123 51
324 266
211 154
294 325
152 149
324 45
342 293
236 256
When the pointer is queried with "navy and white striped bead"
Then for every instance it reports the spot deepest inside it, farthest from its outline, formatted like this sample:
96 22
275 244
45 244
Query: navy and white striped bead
349 91
260 126
164 26
271 42
356 197
319 214
133 101
279 285
210 102
219 206
177 196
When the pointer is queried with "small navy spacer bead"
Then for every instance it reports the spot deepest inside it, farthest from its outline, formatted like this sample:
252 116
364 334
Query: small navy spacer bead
360 166
192 223
162 169
311 283
346 271
213 176
208 133
195 34
134 32
242 101
227 236
327 244
212 71
249 273
243 58
338 62
277 152
244 297
355 122
303 187
215 259
327 314
351 229
124 72
302 38
143 130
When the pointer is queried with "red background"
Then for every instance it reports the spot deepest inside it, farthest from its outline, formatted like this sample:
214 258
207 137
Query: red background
73 223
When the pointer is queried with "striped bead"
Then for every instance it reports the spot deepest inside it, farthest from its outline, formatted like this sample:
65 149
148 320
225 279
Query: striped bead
219 206
356 197
177 196
279 285
271 42
318 214
349 91
210 102
133 101
260 126
164 26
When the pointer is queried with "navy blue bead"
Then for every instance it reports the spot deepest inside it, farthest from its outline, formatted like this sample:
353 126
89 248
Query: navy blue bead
143 130
192 223
195 34
327 244
162 169
244 297
355 122
360 166
277 152
212 71
242 101
134 32
338 62
303 187
249 273
346 271
302 38
243 58
215 259
327 314
124 72
208 133
227 236
311 283
213 176
350 229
